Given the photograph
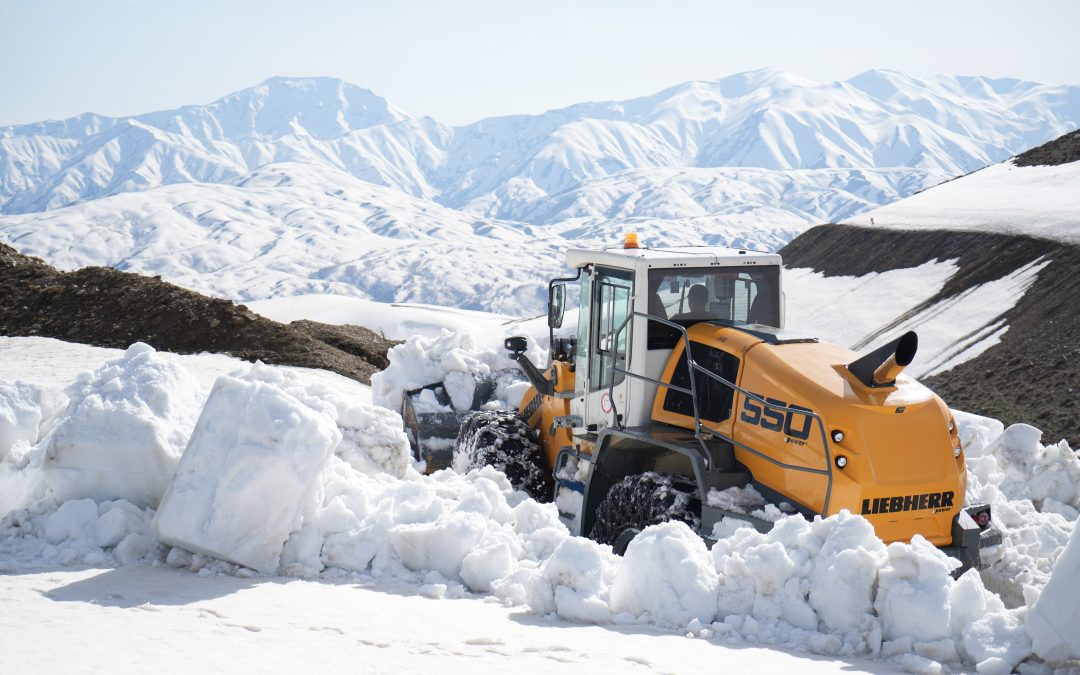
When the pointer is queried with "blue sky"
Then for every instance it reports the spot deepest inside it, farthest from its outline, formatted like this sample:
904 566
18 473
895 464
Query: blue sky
459 62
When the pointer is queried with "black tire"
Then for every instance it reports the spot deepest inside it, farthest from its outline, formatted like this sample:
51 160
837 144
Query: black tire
641 500
504 440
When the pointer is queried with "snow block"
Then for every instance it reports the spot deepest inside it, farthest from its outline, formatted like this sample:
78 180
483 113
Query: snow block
124 429
1053 621
250 469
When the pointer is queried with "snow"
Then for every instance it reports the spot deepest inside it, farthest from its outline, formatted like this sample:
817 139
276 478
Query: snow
283 450
668 576
158 618
1038 201
457 360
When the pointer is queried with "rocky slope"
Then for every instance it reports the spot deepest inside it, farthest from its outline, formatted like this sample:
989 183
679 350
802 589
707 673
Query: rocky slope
108 308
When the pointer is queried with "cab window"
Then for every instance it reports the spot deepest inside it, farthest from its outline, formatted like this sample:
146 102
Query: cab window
612 293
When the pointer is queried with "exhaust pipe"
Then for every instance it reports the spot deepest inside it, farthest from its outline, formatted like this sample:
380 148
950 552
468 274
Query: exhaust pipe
880 367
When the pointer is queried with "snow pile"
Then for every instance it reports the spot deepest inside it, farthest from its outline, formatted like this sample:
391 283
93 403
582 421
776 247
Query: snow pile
285 474
372 439
749 501
668 575
1033 491
1018 466
241 488
124 430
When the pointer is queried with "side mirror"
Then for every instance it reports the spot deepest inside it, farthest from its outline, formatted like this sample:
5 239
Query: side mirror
516 345
556 305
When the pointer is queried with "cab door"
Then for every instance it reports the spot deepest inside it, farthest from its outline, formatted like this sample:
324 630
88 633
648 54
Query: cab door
605 390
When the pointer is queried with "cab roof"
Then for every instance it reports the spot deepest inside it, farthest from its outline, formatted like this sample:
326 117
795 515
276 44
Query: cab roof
680 256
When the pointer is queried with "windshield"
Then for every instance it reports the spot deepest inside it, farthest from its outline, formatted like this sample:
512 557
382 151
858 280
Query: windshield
735 294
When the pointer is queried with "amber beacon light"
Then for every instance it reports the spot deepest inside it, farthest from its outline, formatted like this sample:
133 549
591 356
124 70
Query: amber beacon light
631 240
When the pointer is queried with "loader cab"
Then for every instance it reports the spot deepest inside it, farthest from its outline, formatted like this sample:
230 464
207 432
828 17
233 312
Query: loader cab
631 302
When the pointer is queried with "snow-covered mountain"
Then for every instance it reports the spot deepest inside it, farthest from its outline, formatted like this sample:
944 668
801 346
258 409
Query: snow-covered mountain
318 186
296 228
526 166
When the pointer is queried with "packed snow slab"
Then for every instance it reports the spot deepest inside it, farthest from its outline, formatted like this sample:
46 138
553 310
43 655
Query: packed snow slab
1054 621
1039 201
247 473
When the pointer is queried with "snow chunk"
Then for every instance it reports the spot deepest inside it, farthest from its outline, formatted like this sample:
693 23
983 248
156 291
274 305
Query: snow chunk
1054 621
667 573
373 439
74 520
124 430
247 474
575 581
27 412
458 361
913 592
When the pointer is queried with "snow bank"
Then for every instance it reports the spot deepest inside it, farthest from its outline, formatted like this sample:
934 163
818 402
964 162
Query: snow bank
124 430
1033 491
248 473
285 474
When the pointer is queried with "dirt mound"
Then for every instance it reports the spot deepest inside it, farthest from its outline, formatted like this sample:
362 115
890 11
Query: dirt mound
1061 150
108 308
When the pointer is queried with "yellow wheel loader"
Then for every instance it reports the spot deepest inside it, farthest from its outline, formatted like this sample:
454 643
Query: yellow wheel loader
683 397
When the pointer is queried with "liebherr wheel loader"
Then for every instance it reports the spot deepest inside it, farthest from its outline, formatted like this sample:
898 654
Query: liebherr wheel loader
682 383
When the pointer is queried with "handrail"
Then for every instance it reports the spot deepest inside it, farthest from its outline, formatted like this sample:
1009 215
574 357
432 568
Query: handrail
699 428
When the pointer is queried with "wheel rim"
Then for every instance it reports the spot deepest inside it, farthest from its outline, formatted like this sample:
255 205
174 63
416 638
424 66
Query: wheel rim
622 542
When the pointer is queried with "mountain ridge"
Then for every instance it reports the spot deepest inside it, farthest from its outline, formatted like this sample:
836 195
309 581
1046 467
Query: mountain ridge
763 119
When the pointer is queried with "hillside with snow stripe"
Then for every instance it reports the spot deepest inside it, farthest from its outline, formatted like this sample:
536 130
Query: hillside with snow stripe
982 267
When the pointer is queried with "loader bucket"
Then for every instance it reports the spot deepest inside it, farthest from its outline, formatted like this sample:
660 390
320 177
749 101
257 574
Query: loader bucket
432 432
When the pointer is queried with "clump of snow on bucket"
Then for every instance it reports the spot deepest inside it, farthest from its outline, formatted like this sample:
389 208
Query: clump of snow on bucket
457 361
667 574
124 429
